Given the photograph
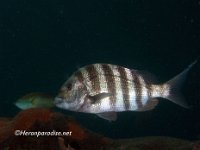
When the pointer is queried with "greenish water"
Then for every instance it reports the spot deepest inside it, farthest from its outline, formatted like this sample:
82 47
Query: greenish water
43 42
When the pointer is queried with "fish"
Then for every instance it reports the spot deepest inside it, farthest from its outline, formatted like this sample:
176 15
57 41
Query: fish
105 89
35 100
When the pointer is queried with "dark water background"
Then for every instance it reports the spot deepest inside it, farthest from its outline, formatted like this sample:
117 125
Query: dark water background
42 42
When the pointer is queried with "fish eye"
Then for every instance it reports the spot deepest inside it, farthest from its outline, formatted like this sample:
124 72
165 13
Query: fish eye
69 86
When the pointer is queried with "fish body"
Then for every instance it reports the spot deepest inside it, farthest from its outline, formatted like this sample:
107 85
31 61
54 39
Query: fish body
104 89
35 100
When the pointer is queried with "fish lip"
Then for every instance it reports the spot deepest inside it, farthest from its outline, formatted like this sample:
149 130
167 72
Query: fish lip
58 101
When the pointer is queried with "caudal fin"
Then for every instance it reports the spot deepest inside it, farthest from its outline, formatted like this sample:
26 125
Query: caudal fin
175 85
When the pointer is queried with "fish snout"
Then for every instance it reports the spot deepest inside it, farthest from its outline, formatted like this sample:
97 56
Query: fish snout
58 101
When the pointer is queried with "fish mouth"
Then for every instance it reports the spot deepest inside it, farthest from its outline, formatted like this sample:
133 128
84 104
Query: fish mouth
58 101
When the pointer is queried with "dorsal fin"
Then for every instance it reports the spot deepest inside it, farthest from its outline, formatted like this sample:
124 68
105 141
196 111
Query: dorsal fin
96 98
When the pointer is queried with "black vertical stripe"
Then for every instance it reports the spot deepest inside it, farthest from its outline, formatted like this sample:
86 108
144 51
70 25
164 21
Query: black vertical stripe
93 77
138 89
124 87
79 75
109 76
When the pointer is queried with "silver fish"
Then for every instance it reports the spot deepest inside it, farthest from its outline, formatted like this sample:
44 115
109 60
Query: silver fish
105 89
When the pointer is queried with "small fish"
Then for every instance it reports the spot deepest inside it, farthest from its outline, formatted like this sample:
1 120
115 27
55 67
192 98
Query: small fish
35 100
105 89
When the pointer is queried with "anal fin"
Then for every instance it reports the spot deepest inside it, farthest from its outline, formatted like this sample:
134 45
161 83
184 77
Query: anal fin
151 104
110 116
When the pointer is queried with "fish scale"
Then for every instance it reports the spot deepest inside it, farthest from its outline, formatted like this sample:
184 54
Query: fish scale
100 82
105 89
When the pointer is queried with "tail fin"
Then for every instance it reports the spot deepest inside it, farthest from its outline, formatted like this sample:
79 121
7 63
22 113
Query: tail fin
175 85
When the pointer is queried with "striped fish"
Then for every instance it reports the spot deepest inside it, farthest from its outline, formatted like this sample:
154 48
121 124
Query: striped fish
105 89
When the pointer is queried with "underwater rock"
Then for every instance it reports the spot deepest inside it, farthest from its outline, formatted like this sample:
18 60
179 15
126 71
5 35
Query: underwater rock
44 120
4 122
196 145
62 146
4 127
153 143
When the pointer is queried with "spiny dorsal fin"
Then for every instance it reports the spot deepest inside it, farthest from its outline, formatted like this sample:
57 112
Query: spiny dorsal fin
97 98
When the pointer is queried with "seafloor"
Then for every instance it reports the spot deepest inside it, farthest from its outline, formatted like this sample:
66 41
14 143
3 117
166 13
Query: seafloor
45 120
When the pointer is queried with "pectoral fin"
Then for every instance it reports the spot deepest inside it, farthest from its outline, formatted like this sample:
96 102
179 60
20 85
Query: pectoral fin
96 98
110 116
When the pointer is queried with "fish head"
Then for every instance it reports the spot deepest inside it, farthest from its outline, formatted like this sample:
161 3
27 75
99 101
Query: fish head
35 100
24 104
71 95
